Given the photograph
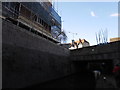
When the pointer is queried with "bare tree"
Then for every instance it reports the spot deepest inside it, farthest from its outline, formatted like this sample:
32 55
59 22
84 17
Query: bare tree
62 36
102 36
59 35
97 38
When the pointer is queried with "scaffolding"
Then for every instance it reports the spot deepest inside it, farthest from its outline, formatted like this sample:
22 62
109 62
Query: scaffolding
32 16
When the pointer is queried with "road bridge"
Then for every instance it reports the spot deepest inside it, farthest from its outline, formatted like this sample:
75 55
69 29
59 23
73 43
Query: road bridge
95 56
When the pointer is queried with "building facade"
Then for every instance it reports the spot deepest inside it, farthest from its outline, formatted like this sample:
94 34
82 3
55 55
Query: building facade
79 44
37 17
114 39
76 44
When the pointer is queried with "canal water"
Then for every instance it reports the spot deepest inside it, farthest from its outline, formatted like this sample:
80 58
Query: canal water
77 80
83 78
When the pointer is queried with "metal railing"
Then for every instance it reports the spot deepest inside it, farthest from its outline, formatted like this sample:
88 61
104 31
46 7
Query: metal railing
25 18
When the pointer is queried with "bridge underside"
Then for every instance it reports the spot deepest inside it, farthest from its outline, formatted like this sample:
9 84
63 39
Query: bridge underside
105 66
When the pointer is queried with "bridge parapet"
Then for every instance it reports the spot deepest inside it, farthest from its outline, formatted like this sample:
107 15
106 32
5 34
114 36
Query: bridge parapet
97 52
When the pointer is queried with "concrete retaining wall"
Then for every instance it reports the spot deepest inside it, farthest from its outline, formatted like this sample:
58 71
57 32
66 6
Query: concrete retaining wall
98 49
29 59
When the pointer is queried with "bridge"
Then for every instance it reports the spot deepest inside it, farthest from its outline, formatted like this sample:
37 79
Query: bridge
108 54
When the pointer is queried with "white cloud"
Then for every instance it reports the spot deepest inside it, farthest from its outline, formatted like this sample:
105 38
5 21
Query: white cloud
115 15
92 14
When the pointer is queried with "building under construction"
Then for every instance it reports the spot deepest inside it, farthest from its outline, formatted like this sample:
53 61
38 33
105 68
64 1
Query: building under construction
39 18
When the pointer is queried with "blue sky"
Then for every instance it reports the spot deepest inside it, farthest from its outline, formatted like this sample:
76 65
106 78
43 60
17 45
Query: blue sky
87 18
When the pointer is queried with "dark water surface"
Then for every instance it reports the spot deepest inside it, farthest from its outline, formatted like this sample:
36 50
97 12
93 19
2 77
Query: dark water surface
77 80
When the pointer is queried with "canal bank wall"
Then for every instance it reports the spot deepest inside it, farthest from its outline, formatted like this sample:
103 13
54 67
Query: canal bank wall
29 59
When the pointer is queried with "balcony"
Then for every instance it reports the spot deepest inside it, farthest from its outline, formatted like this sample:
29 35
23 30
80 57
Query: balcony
55 16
